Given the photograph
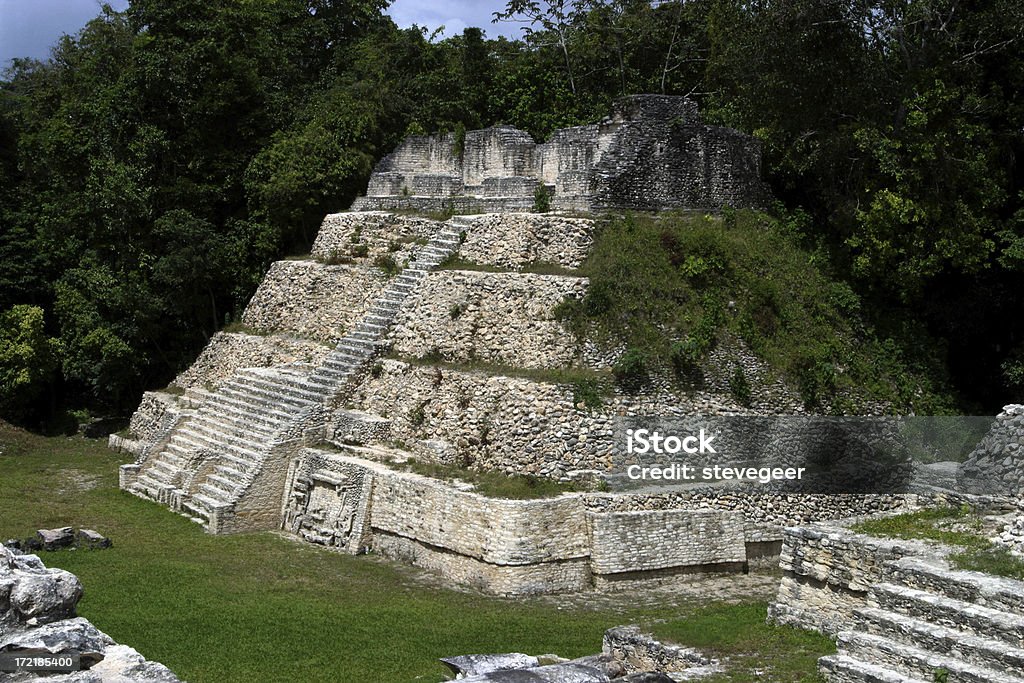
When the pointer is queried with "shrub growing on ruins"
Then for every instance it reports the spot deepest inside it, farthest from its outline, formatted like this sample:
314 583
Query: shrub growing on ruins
541 199
588 393
418 415
630 371
388 264
739 387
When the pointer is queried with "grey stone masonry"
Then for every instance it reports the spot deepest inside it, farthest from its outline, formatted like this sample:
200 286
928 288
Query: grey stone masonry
900 611
224 464
996 467
653 152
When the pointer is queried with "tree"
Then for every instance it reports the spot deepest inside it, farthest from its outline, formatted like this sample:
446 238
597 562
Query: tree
28 360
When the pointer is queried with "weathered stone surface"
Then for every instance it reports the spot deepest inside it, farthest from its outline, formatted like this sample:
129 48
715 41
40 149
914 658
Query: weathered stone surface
474 665
39 595
37 614
501 318
75 635
652 153
996 466
91 540
55 539
640 652
899 609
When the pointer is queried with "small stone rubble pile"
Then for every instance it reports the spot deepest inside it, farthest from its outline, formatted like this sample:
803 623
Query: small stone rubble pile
37 617
57 539
628 656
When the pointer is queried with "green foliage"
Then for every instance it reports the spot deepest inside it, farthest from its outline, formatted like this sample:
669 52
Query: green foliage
387 263
541 199
418 415
740 634
630 370
588 392
667 287
739 387
976 552
256 593
173 150
28 360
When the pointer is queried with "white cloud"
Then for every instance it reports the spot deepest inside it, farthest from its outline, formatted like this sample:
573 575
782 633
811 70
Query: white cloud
454 15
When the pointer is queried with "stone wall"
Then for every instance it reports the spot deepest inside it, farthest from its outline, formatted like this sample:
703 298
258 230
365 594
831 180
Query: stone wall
37 615
501 318
342 234
313 300
652 153
156 412
625 543
228 352
827 572
512 240
996 467
501 546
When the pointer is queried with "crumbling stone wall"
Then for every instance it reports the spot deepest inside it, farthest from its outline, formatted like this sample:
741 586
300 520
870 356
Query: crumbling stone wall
230 351
313 300
502 318
654 152
513 240
996 466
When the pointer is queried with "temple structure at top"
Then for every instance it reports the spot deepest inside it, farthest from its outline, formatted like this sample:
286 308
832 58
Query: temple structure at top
652 153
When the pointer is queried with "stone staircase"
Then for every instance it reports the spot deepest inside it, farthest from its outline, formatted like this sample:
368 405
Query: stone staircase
926 623
212 457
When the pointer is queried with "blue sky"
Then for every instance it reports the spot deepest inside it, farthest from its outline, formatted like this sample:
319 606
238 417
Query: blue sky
29 27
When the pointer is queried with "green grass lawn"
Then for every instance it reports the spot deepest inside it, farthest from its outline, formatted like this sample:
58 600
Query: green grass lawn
263 607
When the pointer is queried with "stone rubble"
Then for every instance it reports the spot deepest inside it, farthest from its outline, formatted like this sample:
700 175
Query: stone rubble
37 615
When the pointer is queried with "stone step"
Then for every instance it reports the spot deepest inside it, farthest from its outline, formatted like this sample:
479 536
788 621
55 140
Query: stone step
273 391
845 669
333 380
237 426
221 440
247 394
384 321
162 470
913 662
172 455
361 333
227 483
233 452
949 612
270 418
981 589
228 472
971 649
150 486
214 492
205 503
390 304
